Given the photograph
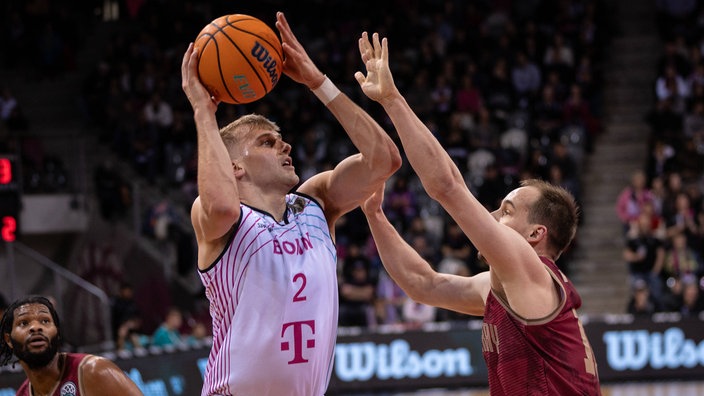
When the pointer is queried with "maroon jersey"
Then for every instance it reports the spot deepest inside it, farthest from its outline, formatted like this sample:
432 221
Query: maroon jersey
69 385
549 356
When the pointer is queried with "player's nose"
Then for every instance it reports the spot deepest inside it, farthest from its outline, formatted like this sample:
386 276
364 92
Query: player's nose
286 148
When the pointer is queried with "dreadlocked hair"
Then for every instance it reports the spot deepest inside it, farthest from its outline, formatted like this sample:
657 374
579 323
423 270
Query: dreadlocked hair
8 318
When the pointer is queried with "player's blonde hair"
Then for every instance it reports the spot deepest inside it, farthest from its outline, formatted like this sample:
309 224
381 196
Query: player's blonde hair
234 132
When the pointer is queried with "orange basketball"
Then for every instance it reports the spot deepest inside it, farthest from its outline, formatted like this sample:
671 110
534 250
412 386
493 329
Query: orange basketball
240 58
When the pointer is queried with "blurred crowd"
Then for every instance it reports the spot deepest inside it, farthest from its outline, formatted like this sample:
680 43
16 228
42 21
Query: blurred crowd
176 329
512 89
662 208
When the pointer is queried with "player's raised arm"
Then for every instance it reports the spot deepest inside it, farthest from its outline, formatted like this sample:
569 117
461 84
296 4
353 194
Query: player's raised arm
515 264
356 177
217 207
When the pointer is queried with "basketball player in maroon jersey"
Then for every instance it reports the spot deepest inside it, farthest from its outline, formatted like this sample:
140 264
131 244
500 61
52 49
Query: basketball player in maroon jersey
32 333
532 339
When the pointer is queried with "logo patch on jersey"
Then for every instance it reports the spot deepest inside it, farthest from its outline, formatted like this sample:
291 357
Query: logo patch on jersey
68 389
298 342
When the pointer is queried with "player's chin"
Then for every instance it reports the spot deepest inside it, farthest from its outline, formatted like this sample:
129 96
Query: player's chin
294 179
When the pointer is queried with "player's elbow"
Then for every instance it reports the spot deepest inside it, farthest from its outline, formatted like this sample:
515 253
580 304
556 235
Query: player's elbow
395 160
443 184
389 160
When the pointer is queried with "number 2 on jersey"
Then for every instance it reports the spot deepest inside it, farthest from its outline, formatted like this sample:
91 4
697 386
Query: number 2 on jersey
299 294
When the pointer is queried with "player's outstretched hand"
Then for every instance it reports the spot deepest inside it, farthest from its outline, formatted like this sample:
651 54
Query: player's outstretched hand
297 64
378 84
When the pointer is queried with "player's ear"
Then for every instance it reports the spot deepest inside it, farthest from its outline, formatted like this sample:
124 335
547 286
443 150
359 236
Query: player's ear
6 338
237 169
539 232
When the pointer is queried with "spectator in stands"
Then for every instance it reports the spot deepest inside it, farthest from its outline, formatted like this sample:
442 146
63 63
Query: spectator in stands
680 259
694 120
485 133
499 94
419 228
357 287
559 56
577 111
673 87
690 159
457 143
630 201
199 335
113 193
493 187
644 253
456 251
683 220
311 152
692 301
673 187
159 219
641 302
660 162
169 331
561 157
123 307
130 337
442 94
468 98
527 80
547 118
659 192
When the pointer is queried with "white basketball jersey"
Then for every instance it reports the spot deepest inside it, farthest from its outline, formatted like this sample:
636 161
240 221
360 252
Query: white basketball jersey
274 304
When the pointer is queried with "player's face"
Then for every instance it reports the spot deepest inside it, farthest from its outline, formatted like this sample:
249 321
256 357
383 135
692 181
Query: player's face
515 208
266 158
34 337
514 211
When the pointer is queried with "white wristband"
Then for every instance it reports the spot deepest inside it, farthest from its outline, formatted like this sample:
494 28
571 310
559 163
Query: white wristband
327 91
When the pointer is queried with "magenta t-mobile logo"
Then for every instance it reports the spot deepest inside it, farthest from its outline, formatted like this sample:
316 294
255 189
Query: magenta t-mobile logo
298 339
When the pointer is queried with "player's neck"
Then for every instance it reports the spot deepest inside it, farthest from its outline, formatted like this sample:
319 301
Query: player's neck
272 203
43 381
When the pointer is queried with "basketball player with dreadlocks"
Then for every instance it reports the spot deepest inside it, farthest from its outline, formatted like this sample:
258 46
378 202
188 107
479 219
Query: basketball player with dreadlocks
32 333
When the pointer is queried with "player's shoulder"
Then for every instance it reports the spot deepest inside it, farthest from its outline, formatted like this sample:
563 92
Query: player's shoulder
94 364
315 188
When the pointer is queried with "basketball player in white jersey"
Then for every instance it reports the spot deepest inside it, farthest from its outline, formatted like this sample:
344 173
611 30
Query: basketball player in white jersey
266 256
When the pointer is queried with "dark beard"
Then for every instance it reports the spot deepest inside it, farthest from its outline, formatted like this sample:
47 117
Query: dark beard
36 360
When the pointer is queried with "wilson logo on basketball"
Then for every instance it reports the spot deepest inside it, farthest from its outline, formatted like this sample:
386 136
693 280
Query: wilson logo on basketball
262 55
